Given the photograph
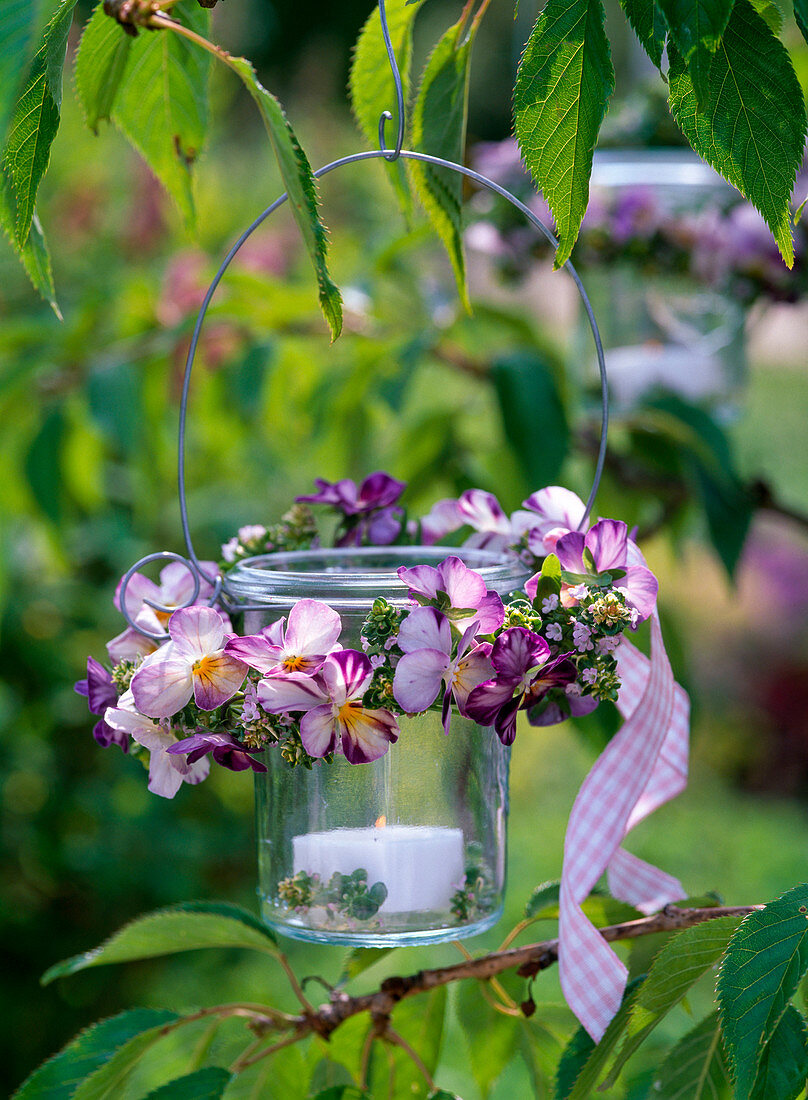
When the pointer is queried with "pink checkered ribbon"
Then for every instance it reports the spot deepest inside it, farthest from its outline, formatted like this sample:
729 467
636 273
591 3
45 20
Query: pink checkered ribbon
644 765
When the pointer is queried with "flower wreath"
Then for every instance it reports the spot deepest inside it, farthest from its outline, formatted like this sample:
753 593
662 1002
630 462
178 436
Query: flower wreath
207 692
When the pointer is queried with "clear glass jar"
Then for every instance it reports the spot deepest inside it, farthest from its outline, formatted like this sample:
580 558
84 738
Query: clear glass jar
408 849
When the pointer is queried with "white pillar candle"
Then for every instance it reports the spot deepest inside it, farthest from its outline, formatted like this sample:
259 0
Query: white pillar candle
421 866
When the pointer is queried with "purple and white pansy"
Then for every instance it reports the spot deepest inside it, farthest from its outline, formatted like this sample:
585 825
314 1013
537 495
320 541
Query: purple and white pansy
206 694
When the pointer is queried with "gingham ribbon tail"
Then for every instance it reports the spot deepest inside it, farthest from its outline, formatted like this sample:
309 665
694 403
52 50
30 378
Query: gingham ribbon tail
642 767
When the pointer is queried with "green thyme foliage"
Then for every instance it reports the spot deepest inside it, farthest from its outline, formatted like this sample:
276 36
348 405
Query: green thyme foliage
346 895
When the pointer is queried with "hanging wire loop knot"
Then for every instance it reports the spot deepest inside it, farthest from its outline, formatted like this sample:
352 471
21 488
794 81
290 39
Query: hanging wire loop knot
196 575
387 116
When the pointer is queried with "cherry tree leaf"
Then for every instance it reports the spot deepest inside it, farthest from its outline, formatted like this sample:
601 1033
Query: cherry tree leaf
204 1084
301 187
35 120
584 1061
696 27
101 63
801 16
784 1063
167 931
108 1080
439 128
684 959
751 127
57 1078
563 85
34 254
649 25
696 1068
154 89
20 25
371 82
764 963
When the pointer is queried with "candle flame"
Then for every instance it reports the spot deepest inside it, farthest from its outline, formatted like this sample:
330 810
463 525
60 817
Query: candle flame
380 822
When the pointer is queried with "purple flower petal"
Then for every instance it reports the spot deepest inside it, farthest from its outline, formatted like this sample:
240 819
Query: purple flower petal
486 700
640 587
443 518
382 528
131 644
318 731
490 613
425 628
473 669
551 713
462 585
366 734
483 512
98 687
163 684
380 490
346 675
106 735
327 494
606 541
556 673
517 650
423 579
217 678
556 507
505 721
313 629
282 693
196 631
418 679
570 551
256 651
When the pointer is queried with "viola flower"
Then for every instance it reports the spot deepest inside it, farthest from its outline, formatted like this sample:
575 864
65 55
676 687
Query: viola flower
523 677
226 750
100 693
174 590
610 548
299 644
453 587
167 773
554 512
425 637
194 663
493 529
334 715
368 509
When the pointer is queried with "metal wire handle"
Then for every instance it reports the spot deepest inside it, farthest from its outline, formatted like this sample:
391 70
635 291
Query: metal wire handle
389 154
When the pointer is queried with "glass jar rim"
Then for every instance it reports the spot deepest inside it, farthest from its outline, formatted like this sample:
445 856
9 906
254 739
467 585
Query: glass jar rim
360 572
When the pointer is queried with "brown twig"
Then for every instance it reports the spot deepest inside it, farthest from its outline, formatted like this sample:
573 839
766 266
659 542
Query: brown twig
527 961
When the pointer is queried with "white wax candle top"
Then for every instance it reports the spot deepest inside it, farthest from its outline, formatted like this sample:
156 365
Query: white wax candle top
421 866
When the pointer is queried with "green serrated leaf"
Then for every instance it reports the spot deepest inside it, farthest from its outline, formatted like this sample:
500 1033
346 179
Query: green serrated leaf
361 959
301 188
771 12
649 25
696 1068
34 254
35 119
439 128
762 968
371 81
205 1084
20 25
57 1078
167 931
563 85
783 1065
583 1061
106 1082
533 415
160 102
801 17
751 126
684 959
697 27
546 896
101 62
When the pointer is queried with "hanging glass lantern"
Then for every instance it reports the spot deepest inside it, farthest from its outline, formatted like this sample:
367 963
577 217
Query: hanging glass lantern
409 848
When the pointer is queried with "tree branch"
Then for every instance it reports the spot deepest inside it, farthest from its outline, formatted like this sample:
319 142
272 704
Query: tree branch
527 961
